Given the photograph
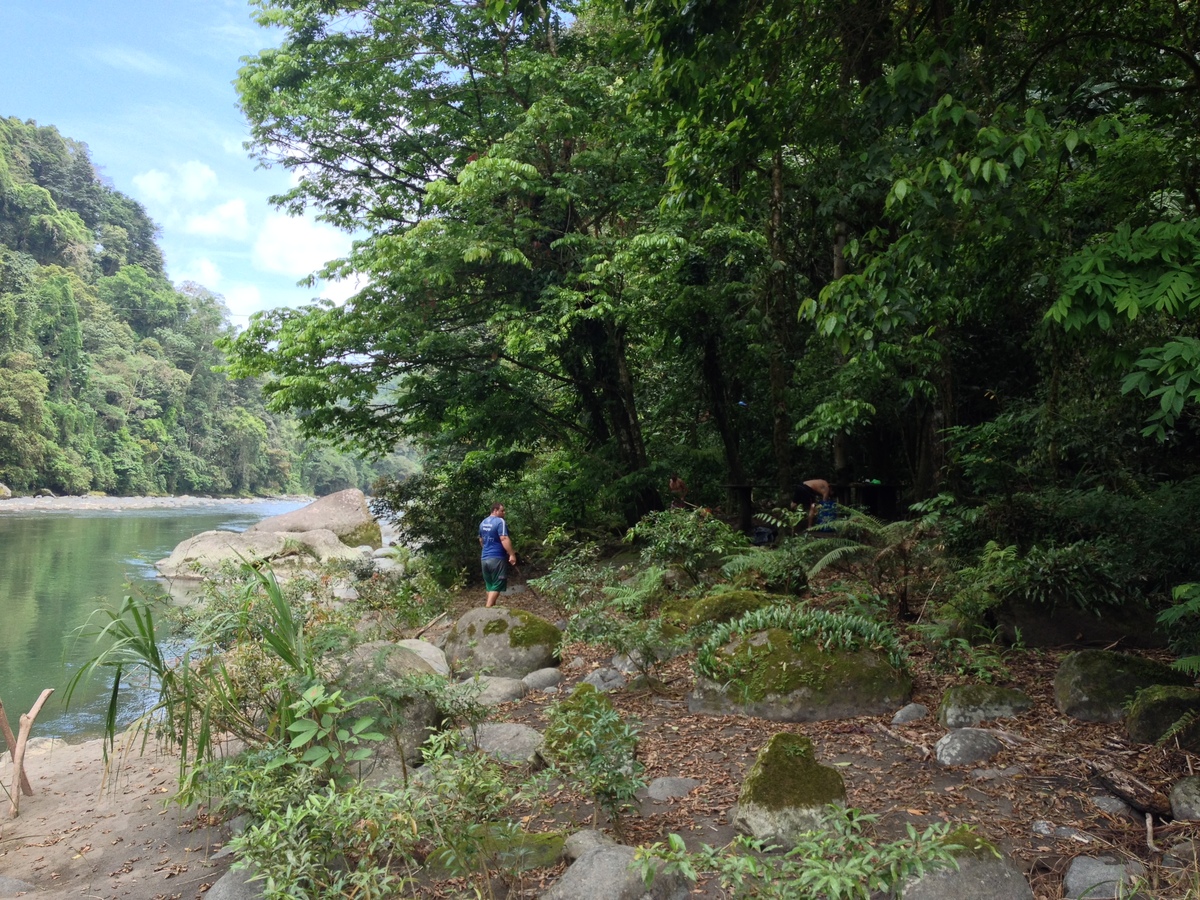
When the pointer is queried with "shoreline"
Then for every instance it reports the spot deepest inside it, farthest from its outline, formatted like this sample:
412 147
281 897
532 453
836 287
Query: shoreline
183 501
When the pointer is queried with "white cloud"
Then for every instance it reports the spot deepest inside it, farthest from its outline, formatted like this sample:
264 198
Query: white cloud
188 182
136 61
227 220
202 271
243 299
341 291
297 247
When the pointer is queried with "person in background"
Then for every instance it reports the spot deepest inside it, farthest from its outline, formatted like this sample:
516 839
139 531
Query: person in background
497 553
678 488
811 495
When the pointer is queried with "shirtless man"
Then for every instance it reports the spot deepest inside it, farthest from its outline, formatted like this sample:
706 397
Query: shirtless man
810 495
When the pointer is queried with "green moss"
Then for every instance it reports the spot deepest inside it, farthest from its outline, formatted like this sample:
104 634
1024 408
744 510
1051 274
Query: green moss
1157 709
367 533
500 849
496 626
533 631
726 606
989 701
787 774
972 843
579 708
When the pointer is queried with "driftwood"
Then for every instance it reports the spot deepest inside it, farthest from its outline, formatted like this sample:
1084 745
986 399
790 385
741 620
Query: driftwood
10 741
925 753
19 756
1131 789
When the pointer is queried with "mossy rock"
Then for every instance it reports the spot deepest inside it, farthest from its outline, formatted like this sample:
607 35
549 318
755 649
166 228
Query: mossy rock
725 606
509 643
1155 711
786 791
576 708
500 848
966 705
1096 685
779 681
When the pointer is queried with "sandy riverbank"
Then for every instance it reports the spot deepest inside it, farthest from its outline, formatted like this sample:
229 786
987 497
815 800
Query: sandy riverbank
77 504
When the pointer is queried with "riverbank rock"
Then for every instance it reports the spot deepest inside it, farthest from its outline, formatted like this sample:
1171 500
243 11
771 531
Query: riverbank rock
5 492
1157 709
965 746
980 876
966 705
345 513
285 551
509 643
786 791
1095 685
609 873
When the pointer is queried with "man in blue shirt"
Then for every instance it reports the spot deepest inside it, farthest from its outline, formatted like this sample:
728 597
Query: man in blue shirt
497 554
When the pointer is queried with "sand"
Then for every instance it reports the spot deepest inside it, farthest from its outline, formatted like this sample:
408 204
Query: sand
82 834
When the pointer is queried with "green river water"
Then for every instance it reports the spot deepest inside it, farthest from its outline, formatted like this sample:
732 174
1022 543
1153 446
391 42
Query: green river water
57 568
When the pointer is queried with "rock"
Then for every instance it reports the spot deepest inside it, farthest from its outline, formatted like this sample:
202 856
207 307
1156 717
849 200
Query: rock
910 713
11 887
380 668
235 885
1042 828
1185 798
967 705
5 492
508 742
606 679
1095 685
965 746
609 873
435 656
1065 624
543 679
723 606
980 876
996 774
1103 878
786 683
45 492
586 841
1156 709
786 790
499 641
497 690
1183 853
1115 807
671 787
208 551
345 513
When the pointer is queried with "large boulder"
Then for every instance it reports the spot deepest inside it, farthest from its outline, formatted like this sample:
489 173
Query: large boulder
382 670
5 492
980 875
966 746
610 873
1096 685
345 513
967 705
1157 709
786 792
509 643
799 665
208 551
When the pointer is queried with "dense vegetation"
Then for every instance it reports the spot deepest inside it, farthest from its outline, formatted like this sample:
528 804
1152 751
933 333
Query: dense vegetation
109 375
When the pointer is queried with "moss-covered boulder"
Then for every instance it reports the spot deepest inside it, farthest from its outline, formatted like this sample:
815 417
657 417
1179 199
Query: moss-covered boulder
793 664
786 791
509 643
1157 709
720 607
499 848
969 704
1096 685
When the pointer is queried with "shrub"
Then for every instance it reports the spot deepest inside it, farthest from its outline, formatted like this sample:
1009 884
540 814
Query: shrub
688 538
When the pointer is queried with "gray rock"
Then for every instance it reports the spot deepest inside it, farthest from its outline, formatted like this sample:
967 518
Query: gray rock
586 841
1042 828
286 551
345 513
786 791
996 774
5 492
1183 854
1115 807
345 593
500 690
1102 878
910 713
965 746
670 788
508 742
978 877
435 656
235 885
1095 685
543 679
384 564
10 887
605 679
509 643
1156 710
610 874
1185 798
966 705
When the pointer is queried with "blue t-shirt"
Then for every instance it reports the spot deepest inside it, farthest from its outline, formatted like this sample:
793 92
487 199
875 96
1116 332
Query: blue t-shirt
491 530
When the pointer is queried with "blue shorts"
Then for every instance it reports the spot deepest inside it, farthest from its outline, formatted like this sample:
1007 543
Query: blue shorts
495 573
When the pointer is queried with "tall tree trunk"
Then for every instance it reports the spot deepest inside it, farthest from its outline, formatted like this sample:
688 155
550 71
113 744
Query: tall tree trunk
777 311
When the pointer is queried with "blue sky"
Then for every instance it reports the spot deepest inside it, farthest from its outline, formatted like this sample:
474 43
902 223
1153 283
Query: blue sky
148 87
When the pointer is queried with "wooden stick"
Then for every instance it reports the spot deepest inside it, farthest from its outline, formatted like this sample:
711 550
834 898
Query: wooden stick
903 740
432 622
22 738
11 741
1150 834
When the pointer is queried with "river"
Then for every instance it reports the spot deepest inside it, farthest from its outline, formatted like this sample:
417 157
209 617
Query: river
60 561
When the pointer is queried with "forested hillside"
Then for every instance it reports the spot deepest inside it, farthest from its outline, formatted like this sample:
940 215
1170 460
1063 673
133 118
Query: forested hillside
107 370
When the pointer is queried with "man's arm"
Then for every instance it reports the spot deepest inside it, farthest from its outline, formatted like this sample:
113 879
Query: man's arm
507 545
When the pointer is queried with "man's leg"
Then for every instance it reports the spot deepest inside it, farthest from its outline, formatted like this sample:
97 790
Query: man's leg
491 597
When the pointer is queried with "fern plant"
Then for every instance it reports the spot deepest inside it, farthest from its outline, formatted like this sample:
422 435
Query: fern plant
1182 622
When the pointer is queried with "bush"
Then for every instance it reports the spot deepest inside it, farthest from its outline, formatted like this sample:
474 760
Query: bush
690 539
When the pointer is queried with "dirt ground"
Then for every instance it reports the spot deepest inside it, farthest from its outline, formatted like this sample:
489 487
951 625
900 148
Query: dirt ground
80 835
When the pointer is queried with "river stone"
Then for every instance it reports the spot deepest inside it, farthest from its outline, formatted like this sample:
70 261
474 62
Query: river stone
1157 708
1095 685
585 841
543 679
671 787
1185 798
5 492
236 885
435 656
381 668
804 684
979 876
11 887
966 705
504 642
609 873
345 513
965 746
1103 878
786 791
508 742
495 690
910 713
285 551
606 679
